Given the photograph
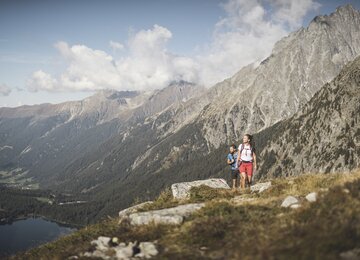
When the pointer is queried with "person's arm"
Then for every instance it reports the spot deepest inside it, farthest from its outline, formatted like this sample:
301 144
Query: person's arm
254 156
238 156
228 160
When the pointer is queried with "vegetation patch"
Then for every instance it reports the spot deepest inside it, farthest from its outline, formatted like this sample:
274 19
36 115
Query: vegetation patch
258 229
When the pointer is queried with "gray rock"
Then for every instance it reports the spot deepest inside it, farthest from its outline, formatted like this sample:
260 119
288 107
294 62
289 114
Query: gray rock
173 215
133 209
311 197
295 206
181 190
124 252
260 187
102 243
147 250
121 251
288 201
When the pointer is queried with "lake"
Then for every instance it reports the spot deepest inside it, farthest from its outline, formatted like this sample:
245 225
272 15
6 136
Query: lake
27 233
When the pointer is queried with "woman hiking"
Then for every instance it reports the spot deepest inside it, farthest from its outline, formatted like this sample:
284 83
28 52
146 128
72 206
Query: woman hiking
246 160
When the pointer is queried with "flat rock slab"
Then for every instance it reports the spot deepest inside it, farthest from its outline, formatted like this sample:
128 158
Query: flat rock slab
260 187
133 209
173 215
181 190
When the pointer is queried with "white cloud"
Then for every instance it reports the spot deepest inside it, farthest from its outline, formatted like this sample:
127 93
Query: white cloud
148 66
116 45
247 34
5 90
292 12
41 81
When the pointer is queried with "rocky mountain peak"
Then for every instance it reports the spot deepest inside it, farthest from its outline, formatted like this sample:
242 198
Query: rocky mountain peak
258 96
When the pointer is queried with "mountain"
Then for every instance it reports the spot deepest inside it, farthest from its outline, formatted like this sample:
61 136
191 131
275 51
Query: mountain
121 146
300 64
39 142
257 97
324 136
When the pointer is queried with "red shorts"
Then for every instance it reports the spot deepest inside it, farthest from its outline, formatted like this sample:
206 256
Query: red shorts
246 167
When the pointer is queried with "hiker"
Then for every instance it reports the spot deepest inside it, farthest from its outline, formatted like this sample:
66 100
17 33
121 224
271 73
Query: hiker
246 160
232 161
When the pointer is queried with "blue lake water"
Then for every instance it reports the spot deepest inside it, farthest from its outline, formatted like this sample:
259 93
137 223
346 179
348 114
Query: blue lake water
27 233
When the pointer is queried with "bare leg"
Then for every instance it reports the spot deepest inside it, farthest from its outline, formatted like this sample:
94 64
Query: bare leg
233 184
243 177
249 177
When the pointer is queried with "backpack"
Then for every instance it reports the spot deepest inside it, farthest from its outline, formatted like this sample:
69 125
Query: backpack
252 149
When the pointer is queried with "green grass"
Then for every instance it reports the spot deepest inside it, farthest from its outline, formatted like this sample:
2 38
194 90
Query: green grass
257 229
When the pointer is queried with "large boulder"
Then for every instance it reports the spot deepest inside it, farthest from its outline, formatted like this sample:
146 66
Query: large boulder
173 215
182 190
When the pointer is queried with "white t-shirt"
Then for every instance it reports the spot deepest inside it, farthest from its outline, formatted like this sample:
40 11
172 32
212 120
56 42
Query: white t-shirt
246 153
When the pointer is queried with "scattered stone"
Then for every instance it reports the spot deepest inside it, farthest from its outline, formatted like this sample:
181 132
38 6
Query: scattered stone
353 254
173 215
295 206
260 187
311 197
182 190
133 209
288 201
125 252
132 250
346 190
102 243
147 250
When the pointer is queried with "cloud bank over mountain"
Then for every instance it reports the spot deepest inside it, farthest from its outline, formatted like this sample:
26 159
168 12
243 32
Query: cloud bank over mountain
245 35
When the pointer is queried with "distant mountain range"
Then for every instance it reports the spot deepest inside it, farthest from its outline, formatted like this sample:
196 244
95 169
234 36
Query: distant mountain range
115 146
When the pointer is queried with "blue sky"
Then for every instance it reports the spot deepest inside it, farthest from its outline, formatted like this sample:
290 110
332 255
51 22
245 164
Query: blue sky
53 51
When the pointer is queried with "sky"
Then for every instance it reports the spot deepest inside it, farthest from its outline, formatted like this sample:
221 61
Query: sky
55 51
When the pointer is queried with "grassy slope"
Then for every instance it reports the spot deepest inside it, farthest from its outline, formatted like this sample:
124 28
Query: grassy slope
257 229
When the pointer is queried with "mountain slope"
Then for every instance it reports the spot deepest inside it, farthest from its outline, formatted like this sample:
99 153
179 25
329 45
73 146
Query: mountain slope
300 64
324 136
266 230
42 141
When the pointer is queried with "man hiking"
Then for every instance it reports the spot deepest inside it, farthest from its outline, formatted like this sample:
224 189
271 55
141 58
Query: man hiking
232 161
246 160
